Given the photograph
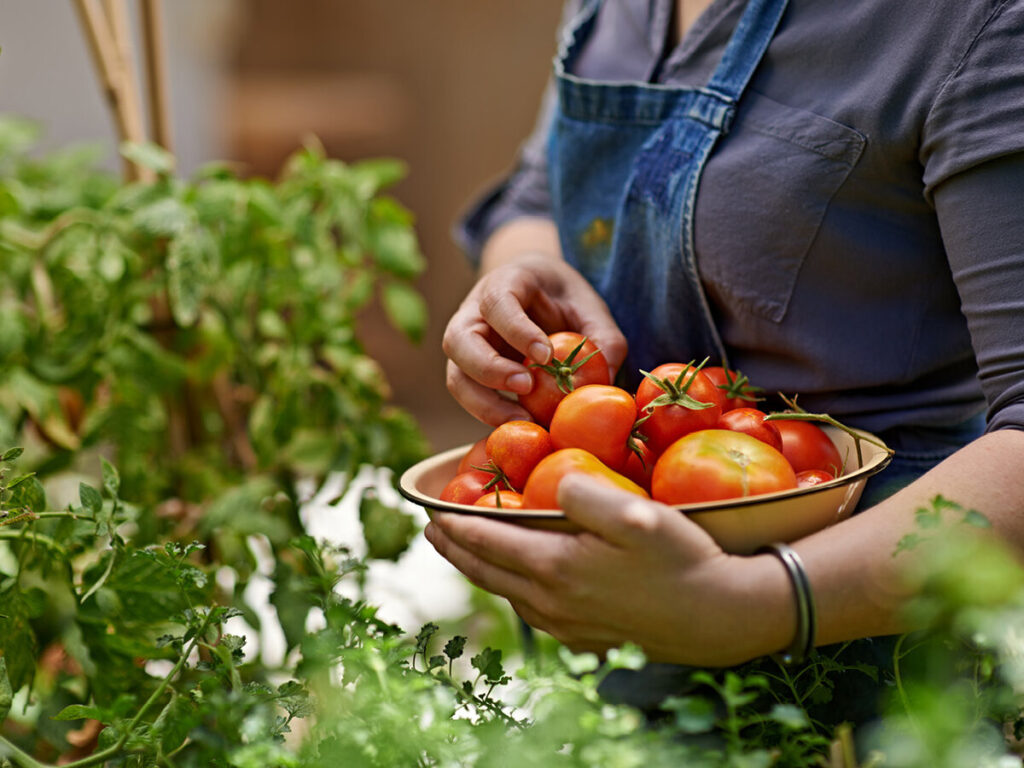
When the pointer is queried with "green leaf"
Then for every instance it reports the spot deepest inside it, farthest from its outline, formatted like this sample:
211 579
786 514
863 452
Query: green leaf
27 493
693 714
90 498
388 531
426 632
393 242
167 217
488 663
790 716
186 278
6 694
907 543
79 712
975 518
149 155
12 453
405 309
18 638
111 478
454 648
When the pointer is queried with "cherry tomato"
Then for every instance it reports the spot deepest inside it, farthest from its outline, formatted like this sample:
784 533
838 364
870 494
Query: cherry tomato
751 421
717 464
467 487
500 500
575 361
515 448
640 465
736 389
807 446
812 477
476 456
679 399
541 490
598 418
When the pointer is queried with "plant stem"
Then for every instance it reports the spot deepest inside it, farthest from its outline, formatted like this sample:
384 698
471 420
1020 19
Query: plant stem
37 538
9 750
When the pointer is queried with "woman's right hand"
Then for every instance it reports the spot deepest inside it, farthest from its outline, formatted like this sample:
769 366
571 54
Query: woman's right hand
507 316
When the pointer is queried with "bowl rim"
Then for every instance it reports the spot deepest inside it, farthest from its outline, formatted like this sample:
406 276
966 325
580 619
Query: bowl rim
408 479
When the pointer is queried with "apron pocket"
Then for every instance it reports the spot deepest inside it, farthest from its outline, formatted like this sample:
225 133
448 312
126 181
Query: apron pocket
762 199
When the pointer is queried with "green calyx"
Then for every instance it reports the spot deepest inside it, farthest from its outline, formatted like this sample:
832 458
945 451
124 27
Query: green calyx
738 386
563 370
676 391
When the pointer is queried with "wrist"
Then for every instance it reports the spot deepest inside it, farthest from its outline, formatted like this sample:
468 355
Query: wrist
764 601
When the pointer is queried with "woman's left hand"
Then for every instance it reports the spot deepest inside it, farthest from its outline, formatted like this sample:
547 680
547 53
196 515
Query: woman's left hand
637 571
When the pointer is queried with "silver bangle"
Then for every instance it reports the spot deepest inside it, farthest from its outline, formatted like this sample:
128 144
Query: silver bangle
806 622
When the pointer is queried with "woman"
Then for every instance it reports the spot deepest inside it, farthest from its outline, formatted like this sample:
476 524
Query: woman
827 196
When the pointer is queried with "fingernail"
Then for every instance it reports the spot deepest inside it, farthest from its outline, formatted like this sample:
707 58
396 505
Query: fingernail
520 383
539 352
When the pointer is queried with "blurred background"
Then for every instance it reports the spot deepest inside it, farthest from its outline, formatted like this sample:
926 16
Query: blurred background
449 86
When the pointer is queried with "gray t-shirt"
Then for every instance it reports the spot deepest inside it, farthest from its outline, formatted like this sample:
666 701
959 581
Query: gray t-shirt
860 229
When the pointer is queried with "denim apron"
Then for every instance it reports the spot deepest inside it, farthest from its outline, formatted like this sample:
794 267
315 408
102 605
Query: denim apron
624 163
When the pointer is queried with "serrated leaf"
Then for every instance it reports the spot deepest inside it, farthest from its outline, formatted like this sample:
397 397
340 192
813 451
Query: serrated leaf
406 310
454 648
488 663
426 632
28 494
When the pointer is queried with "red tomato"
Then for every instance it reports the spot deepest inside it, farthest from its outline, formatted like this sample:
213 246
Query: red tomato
598 418
467 487
640 464
812 477
751 421
807 446
575 361
737 390
541 490
476 456
515 448
500 500
680 399
716 464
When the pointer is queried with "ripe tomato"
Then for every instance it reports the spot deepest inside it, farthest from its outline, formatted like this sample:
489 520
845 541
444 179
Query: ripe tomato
716 464
640 465
751 421
812 477
541 490
476 456
467 487
598 418
515 448
737 390
807 446
575 361
679 399
500 500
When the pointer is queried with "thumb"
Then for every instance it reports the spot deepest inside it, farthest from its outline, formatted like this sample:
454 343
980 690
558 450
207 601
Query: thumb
616 515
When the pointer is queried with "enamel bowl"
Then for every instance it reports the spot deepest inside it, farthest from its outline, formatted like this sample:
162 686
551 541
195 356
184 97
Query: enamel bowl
739 526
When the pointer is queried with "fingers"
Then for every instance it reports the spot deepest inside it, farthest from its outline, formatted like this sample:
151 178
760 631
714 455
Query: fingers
483 403
619 517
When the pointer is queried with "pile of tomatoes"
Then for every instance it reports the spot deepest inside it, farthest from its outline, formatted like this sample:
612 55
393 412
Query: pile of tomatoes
688 434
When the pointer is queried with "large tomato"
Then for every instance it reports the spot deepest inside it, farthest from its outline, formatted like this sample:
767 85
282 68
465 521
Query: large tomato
736 389
575 361
541 490
515 448
807 446
598 418
717 464
676 399
751 421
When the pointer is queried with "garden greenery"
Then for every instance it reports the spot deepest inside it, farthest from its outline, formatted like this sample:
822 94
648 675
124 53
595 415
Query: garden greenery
183 353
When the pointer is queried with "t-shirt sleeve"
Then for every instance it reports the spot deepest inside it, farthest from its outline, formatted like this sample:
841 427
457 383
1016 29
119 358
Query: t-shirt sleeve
978 112
981 214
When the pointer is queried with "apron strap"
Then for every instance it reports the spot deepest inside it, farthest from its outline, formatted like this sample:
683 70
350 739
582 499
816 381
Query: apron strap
746 48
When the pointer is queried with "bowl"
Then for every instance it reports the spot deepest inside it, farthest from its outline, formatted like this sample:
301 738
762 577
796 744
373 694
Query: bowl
740 526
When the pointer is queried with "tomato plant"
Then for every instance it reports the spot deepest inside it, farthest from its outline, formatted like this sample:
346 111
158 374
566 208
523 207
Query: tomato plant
541 490
676 399
515 447
575 362
736 388
751 421
717 464
598 418
807 446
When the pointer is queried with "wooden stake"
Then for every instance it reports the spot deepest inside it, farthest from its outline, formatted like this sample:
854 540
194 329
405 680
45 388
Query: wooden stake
151 12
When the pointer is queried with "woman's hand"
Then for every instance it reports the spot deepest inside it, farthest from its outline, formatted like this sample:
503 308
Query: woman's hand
638 571
507 316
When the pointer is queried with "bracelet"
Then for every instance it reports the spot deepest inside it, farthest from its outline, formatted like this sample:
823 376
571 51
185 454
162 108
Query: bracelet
803 643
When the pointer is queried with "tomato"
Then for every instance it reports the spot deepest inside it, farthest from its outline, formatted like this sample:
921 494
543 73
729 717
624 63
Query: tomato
541 490
515 448
737 390
807 446
476 456
752 421
575 362
812 477
679 399
717 464
500 500
467 487
598 418
640 465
